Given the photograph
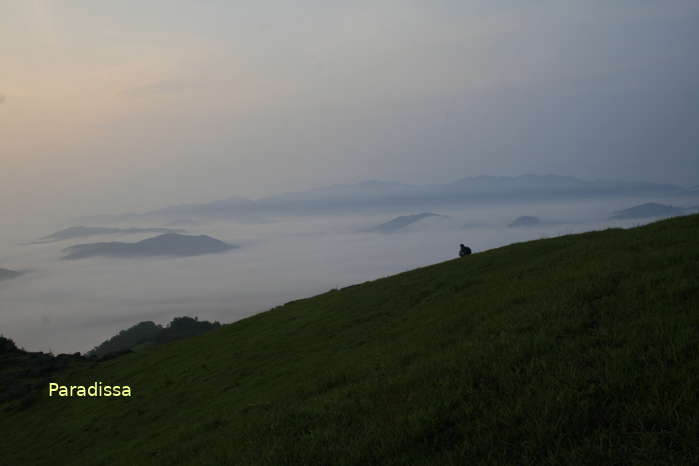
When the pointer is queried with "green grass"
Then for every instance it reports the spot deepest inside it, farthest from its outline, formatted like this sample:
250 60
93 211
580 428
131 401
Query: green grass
577 350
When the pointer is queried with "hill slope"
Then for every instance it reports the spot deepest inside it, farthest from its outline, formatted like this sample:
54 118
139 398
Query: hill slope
577 350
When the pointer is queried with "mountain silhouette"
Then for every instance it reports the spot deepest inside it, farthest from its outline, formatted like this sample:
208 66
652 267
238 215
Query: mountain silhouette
374 193
169 244
149 333
650 209
402 222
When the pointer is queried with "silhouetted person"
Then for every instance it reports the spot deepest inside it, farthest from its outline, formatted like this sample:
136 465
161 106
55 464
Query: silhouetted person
464 251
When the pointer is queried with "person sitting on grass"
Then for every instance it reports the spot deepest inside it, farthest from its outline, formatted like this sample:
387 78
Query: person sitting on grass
464 251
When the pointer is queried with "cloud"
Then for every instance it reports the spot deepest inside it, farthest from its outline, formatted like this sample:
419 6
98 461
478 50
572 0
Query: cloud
72 307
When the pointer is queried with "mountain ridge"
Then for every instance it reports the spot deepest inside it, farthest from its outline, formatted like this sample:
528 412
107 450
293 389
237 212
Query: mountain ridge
375 193
168 244
401 222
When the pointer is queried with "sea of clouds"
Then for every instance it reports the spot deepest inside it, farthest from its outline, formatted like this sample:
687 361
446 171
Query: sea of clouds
68 306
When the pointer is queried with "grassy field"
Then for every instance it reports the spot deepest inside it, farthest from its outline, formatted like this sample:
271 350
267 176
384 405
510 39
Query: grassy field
577 350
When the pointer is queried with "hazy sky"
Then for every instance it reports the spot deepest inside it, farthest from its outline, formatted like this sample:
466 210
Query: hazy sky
120 105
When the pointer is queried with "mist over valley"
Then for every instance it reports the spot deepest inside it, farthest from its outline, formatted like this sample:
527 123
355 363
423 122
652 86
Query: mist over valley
68 306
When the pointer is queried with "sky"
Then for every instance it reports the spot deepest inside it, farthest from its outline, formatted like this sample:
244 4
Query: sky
118 106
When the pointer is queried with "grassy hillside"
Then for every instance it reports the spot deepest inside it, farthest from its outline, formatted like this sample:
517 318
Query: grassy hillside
582 349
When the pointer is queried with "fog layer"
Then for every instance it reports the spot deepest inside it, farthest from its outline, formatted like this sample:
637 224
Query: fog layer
73 306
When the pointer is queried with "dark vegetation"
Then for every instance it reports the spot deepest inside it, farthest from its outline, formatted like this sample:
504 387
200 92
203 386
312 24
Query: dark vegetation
169 244
24 374
149 333
576 350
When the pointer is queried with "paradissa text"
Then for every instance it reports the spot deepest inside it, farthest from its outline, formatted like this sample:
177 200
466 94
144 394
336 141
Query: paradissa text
96 389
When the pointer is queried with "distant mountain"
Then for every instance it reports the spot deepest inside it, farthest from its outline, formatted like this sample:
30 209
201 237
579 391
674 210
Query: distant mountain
503 185
399 223
481 188
382 194
81 231
546 186
650 209
148 333
525 221
170 244
6 274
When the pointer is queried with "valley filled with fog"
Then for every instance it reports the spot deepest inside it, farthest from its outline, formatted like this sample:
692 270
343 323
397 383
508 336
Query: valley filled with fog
69 306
